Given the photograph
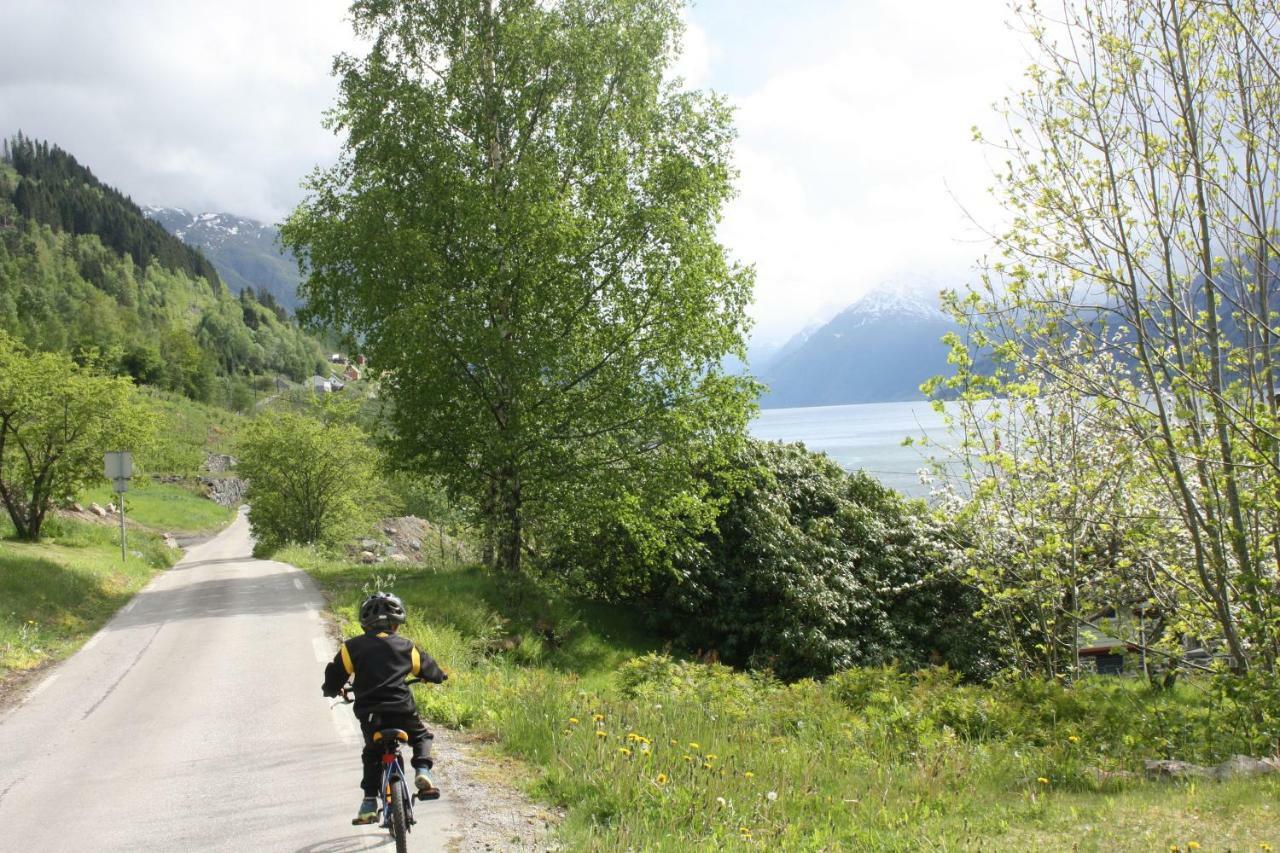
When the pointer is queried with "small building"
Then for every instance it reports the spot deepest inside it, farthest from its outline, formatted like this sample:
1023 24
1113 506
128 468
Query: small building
321 385
352 373
337 358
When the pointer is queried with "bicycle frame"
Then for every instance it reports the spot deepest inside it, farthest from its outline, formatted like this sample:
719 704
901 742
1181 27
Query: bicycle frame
393 774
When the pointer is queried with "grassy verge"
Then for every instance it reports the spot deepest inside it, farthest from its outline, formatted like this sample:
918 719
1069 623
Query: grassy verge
165 507
647 752
56 593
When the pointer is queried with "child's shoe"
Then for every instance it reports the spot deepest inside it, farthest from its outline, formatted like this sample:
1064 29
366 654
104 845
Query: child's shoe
368 812
426 788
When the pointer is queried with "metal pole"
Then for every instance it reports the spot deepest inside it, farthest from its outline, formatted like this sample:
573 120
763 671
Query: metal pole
122 534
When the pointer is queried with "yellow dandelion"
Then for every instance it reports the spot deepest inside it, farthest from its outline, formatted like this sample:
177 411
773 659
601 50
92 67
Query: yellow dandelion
567 732
711 756
624 750
688 758
1073 738
748 775
695 746
600 733
706 766
661 779
597 717
675 742
632 737
573 721
1193 845
1043 781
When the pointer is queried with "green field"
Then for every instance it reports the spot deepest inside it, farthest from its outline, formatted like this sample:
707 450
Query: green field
648 752
56 593
165 508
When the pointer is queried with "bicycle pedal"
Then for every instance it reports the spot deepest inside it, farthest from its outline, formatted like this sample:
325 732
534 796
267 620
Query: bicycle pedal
357 821
431 794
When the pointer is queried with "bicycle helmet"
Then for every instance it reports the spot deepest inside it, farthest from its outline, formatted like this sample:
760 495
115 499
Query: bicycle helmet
380 611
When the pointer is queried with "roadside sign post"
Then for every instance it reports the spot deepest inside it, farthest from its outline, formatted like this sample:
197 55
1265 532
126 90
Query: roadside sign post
118 466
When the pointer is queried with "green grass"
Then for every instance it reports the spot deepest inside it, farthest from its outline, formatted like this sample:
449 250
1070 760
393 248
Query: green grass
56 593
647 752
165 507
189 431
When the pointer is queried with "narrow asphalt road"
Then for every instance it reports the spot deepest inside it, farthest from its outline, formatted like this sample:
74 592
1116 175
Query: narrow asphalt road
193 721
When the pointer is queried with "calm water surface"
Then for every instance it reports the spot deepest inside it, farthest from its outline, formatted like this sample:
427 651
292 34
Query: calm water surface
867 436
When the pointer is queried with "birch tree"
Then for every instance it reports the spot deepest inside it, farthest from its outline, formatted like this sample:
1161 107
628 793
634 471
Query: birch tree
1139 170
521 231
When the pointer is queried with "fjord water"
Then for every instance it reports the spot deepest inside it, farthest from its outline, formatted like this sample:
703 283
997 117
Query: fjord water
865 436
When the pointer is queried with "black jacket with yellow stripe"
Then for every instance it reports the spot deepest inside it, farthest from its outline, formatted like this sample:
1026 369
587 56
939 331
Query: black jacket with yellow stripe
379 664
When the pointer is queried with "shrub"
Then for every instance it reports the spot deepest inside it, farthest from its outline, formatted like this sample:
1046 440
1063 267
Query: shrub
308 481
811 570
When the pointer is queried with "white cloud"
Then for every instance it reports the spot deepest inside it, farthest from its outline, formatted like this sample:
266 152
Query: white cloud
179 103
849 158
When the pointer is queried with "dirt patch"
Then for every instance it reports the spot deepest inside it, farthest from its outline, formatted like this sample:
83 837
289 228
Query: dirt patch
412 540
16 684
495 815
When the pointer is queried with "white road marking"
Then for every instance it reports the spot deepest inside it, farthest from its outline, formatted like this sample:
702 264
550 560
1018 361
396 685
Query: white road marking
323 653
297 583
42 685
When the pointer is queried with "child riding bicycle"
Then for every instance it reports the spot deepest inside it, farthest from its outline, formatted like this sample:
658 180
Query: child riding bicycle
378 662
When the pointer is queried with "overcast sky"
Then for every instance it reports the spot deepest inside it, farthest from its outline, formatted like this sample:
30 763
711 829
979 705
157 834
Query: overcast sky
854 120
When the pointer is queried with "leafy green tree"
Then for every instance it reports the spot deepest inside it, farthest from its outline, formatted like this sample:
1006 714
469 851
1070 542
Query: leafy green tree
309 481
521 231
1139 269
57 418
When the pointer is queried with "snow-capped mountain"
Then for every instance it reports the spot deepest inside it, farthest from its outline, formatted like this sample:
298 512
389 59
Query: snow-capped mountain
247 253
879 349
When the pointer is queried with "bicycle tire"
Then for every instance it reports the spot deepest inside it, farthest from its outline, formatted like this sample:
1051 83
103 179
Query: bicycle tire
399 823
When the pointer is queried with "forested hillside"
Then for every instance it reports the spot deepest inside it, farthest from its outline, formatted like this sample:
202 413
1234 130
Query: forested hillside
82 269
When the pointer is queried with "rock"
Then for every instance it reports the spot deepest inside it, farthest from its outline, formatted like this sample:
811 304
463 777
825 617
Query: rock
1244 766
170 542
97 510
399 558
75 507
368 545
1165 769
111 509
218 463
368 557
415 544
389 530
226 491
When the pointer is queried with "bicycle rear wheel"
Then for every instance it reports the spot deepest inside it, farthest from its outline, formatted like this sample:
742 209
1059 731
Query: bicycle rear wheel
399 823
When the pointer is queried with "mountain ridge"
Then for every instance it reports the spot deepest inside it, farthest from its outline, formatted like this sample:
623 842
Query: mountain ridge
246 252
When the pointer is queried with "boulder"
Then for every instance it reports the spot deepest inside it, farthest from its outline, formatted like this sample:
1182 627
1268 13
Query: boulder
389 530
368 545
97 510
1166 769
399 558
415 544
75 507
170 542
368 557
1238 766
